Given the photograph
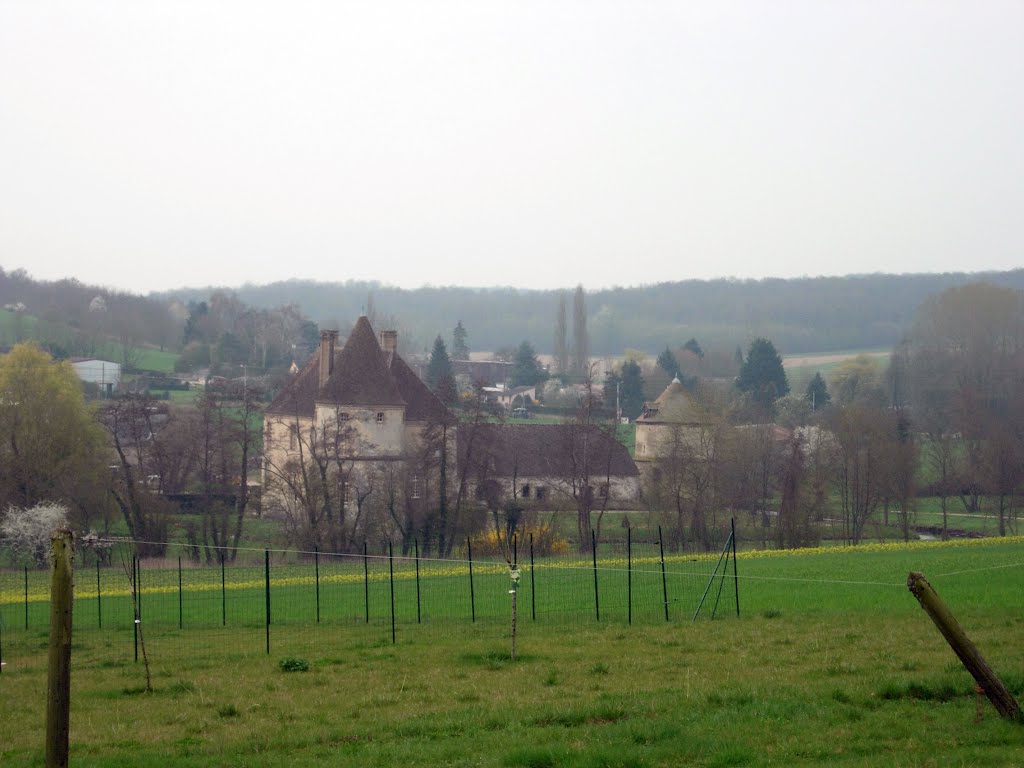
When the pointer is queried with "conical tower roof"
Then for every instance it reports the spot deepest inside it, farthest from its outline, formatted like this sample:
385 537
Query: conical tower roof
673 406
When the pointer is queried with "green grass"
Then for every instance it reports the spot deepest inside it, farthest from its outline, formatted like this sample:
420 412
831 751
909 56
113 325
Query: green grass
832 662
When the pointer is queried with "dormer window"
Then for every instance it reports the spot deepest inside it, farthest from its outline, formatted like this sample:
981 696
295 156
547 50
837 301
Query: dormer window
380 417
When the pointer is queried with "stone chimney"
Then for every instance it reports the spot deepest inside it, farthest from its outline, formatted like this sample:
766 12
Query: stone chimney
388 341
327 342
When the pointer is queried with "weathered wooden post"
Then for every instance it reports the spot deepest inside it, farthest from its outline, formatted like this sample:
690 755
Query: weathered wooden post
1001 698
58 688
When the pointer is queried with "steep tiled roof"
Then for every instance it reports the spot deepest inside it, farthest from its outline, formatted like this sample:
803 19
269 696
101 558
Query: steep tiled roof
420 403
543 450
360 376
363 375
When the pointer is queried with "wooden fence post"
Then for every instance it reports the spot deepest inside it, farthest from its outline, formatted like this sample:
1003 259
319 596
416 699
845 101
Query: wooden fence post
58 688
997 693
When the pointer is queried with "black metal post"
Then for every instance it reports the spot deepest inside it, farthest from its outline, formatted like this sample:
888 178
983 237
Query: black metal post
99 598
223 593
416 543
472 597
391 578
181 615
735 575
629 573
366 582
138 585
266 581
593 546
136 617
533 587
664 583
515 550
316 572
26 597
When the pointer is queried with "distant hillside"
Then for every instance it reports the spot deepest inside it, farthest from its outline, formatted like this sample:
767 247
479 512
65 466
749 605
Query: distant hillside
804 315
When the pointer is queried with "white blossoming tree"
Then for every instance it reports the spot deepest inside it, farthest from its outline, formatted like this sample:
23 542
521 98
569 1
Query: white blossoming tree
26 531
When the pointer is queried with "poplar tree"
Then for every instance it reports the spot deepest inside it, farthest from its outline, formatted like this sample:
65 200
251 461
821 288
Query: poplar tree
561 333
580 343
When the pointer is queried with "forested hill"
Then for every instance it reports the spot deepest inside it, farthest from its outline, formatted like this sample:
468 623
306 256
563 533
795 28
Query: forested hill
799 315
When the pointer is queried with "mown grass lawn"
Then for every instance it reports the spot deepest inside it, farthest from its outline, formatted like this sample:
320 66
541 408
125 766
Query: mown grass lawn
831 662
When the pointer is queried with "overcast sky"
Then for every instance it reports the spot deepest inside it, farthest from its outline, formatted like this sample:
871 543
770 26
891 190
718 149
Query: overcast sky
149 145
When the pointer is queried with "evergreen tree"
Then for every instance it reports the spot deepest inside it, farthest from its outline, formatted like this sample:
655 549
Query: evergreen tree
460 349
762 374
694 346
561 333
580 342
439 366
668 363
629 382
817 393
526 368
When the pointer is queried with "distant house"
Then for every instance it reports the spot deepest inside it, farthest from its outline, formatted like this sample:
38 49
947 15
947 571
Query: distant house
666 422
487 371
103 373
546 465
506 397
351 423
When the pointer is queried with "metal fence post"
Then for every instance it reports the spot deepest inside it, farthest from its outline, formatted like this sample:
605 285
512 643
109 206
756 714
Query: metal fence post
664 584
26 597
472 597
366 581
266 581
99 598
593 545
533 588
629 574
391 578
316 573
416 542
181 613
223 594
735 574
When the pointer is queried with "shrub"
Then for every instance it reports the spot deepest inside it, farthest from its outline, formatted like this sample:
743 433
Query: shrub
293 664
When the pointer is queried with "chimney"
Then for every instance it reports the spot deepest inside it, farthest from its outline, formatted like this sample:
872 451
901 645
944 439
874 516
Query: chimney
388 341
327 341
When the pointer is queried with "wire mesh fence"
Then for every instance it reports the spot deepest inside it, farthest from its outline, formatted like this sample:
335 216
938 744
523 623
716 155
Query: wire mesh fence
287 598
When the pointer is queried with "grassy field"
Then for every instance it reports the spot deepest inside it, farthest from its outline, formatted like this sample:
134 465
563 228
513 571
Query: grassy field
832 662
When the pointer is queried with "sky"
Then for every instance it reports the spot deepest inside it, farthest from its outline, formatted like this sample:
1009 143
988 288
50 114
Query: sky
153 145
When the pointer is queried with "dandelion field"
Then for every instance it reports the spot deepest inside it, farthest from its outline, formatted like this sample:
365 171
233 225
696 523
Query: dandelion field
831 661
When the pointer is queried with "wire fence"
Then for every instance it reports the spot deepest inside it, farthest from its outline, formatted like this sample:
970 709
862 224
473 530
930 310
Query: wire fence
294 593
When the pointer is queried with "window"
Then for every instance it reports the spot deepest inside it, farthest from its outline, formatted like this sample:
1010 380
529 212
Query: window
603 490
343 492
343 416
525 492
417 487
380 417
293 436
539 493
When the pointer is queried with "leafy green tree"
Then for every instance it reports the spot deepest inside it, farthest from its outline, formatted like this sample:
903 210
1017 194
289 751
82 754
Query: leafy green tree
440 366
668 363
51 447
762 374
526 368
817 393
460 348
